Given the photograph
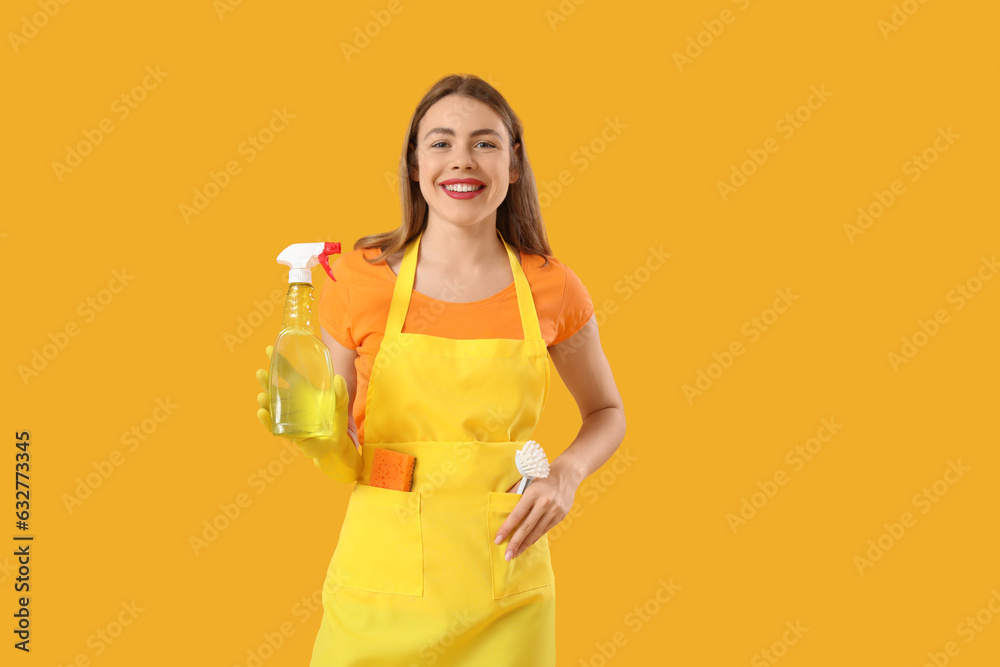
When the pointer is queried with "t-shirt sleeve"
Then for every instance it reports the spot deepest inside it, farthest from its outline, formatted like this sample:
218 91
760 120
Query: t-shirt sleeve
576 308
334 305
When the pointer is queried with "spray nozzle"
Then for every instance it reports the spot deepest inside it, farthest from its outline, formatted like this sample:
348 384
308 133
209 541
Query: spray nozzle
301 257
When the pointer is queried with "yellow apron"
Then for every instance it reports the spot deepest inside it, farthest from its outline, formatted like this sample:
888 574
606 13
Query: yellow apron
416 578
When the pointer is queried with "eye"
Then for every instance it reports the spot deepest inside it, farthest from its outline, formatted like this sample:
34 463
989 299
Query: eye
438 143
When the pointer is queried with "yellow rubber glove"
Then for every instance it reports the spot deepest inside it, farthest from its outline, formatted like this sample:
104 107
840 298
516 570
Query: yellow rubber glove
337 455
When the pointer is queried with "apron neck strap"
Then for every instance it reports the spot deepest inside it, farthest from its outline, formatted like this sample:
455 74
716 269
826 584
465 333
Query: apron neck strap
404 287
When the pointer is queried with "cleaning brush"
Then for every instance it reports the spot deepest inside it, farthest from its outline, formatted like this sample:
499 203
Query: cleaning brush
531 462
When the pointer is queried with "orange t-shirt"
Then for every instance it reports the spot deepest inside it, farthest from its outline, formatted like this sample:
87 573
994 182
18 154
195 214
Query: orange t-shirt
354 309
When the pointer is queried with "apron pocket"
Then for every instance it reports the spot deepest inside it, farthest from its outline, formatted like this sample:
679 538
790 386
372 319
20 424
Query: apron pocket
532 569
380 547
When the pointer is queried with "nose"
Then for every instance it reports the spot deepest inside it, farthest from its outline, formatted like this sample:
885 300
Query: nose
462 158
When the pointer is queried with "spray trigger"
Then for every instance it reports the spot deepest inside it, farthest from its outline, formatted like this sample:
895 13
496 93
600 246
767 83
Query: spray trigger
329 248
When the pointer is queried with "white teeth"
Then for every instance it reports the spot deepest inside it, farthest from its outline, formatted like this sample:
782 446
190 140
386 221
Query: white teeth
463 187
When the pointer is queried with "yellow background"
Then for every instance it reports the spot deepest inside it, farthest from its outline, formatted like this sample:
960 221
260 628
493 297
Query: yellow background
635 528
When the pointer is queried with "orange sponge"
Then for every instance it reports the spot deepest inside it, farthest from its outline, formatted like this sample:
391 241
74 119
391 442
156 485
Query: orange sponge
392 470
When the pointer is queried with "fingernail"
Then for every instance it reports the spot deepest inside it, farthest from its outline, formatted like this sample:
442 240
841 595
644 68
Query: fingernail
508 555
498 540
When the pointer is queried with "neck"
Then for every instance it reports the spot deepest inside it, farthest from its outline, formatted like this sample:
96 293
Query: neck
463 249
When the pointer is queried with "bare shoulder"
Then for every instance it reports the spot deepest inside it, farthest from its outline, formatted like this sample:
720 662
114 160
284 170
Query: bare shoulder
395 260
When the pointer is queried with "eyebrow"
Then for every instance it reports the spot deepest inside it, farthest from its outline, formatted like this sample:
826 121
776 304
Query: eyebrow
474 133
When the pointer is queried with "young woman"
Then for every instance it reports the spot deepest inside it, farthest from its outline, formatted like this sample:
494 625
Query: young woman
443 328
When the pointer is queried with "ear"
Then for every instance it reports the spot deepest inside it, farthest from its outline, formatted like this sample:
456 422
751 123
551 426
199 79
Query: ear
413 172
514 173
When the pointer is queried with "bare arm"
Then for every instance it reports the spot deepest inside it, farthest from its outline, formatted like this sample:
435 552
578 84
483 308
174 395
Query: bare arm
586 372
343 364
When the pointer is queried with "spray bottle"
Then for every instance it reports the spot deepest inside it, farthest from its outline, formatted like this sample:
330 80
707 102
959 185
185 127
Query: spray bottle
301 379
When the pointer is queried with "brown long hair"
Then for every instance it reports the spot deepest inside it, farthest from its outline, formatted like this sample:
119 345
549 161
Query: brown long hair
519 217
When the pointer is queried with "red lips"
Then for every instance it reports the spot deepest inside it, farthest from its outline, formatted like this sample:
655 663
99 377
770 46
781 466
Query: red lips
458 181
472 194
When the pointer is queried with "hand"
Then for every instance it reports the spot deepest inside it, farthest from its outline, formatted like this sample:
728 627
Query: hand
336 455
545 502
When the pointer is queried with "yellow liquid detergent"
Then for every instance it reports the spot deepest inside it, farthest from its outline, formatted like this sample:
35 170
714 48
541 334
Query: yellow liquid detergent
302 398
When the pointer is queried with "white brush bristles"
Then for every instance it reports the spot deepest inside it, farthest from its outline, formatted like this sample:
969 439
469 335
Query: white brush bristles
531 461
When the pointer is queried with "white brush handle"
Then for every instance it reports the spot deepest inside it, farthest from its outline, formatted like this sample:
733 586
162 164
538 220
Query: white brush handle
524 483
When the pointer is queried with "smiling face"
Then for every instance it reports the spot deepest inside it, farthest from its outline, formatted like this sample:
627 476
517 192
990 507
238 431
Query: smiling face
463 161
